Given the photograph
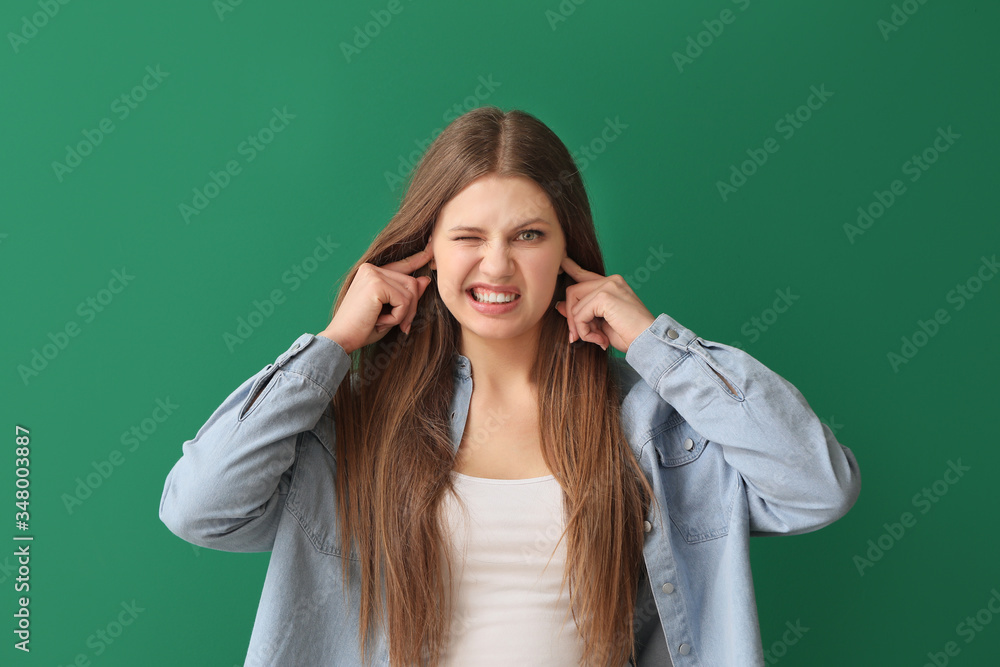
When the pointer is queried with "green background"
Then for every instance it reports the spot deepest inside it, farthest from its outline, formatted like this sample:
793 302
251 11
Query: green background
655 185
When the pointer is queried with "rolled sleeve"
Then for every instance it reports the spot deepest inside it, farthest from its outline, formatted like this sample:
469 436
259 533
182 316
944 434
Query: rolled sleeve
797 476
227 490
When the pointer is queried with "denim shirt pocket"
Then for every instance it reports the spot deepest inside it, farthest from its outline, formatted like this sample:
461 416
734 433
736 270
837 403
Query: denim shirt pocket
699 486
312 497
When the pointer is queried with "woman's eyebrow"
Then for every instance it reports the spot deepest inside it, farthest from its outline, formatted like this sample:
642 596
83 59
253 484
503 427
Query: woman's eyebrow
468 228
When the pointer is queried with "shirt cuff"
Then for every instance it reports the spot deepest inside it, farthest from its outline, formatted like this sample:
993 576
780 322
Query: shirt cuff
318 358
650 357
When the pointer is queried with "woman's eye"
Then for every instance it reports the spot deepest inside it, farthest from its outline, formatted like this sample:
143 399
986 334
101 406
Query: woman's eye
538 234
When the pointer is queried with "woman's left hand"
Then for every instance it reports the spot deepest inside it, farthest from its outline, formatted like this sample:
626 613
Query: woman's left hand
602 309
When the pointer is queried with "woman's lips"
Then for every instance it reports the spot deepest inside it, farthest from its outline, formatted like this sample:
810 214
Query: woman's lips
492 308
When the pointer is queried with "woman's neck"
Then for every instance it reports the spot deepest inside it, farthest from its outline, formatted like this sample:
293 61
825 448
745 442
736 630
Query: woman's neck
500 365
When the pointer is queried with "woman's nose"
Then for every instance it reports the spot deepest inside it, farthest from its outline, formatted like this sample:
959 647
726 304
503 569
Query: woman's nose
496 260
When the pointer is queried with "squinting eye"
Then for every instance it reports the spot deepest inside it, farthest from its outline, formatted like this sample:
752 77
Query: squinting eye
538 234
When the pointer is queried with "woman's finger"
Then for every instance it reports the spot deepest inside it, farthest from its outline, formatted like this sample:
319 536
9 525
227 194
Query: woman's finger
421 284
571 322
410 264
412 288
398 301
588 314
577 272
574 295
563 309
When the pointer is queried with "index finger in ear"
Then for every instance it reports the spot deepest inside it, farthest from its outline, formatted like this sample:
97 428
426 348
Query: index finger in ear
577 272
411 263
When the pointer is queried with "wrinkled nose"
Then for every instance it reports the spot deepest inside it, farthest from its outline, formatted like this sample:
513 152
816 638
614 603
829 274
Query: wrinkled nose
496 263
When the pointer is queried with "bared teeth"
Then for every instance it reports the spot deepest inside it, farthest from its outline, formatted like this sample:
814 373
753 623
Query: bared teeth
493 297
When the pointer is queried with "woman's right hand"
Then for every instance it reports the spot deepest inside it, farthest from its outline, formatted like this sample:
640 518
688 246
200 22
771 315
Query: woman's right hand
359 321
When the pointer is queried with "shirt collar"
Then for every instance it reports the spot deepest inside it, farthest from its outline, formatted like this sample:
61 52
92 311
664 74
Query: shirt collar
462 367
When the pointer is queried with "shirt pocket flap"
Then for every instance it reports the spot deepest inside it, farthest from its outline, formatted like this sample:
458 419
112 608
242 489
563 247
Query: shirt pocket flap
698 484
677 443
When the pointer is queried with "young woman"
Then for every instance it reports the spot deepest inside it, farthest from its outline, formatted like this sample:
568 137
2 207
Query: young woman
433 468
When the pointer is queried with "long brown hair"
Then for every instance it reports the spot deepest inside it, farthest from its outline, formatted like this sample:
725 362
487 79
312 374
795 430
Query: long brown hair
392 421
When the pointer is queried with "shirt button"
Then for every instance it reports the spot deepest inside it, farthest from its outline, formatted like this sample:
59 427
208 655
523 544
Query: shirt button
671 334
647 526
668 587
688 444
683 649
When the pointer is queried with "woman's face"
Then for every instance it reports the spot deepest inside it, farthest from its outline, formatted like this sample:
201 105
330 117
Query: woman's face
500 232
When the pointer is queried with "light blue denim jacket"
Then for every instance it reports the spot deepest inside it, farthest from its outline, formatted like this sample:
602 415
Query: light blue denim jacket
724 466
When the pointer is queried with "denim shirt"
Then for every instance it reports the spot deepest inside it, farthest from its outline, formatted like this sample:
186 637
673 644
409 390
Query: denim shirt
725 466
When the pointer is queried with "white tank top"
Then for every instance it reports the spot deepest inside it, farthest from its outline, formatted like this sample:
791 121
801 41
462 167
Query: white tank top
506 604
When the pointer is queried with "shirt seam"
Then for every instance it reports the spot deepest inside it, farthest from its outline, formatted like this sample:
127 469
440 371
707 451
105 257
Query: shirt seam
311 379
